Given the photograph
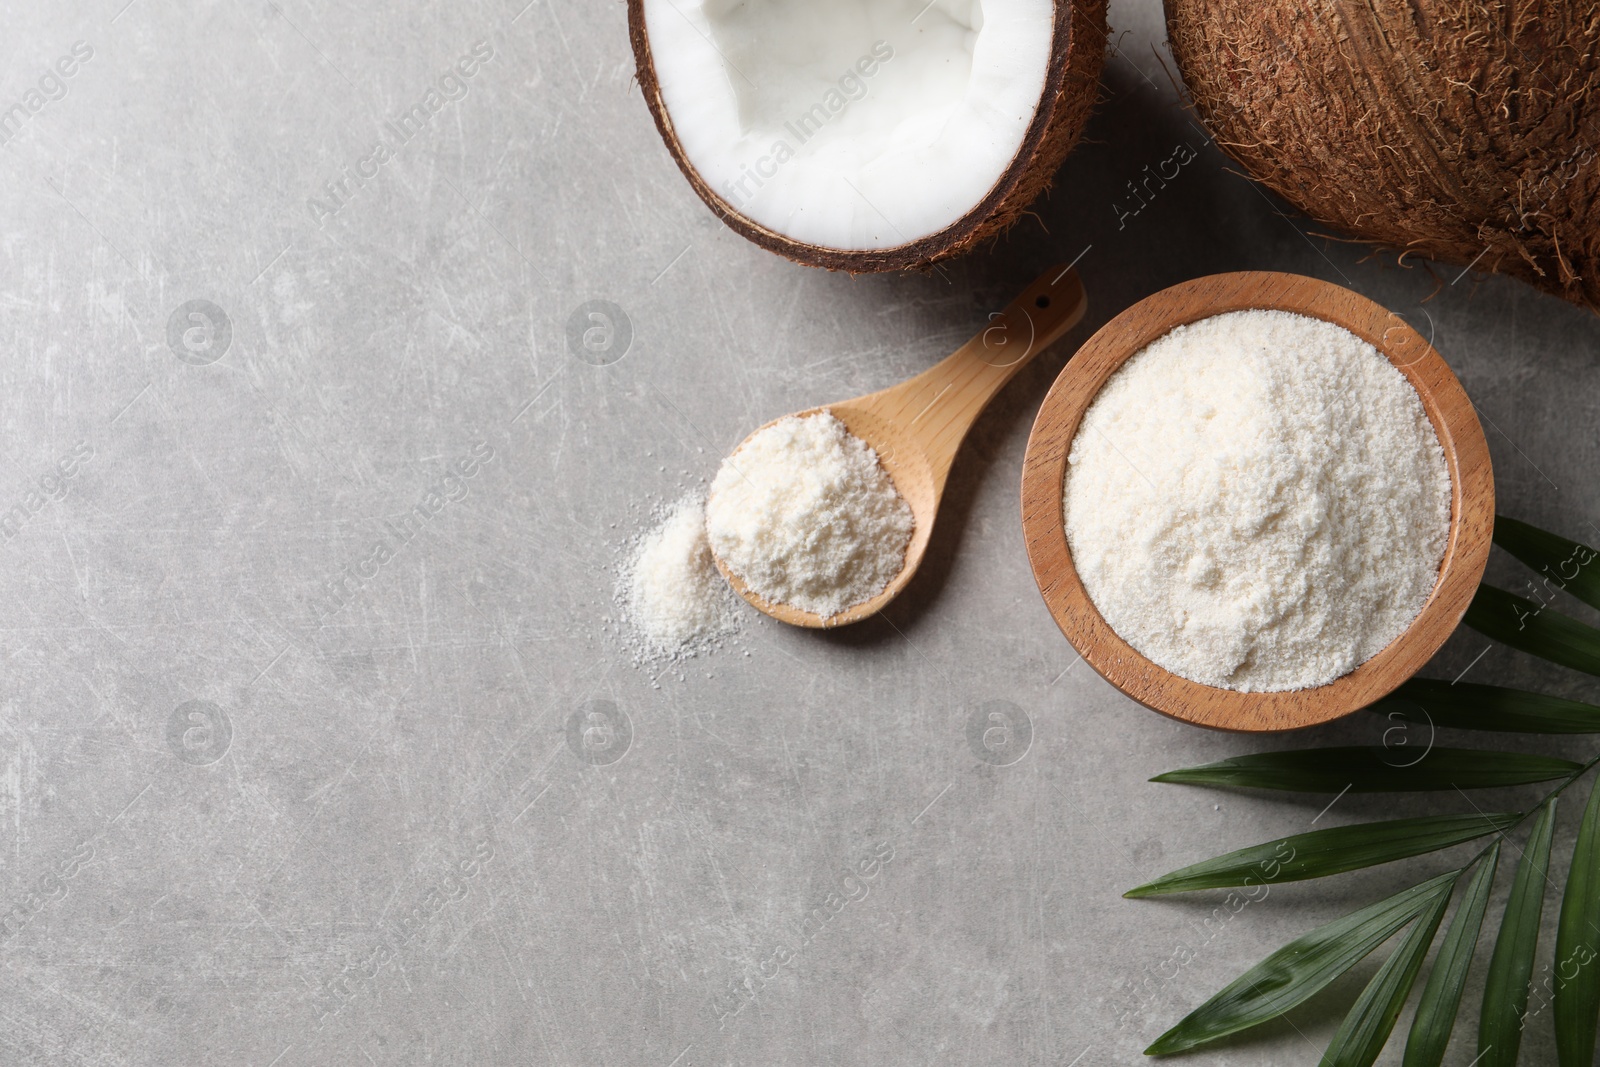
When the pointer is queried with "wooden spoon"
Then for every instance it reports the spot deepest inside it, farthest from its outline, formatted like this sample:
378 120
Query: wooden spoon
1446 404
917 426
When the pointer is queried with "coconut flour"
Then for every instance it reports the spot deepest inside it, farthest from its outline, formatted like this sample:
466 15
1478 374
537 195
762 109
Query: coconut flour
804 513
1257 501
676 600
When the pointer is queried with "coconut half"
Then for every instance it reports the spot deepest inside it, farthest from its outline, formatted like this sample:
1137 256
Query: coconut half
868 135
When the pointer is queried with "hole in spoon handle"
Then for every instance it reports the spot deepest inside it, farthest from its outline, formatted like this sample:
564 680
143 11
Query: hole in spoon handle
947 398
1045 310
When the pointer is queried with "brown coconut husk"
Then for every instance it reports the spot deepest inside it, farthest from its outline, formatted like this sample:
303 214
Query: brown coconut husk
1466 131
1071 84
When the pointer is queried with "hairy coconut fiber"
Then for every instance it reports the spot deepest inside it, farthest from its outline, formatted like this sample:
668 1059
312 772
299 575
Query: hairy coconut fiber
1072 82
1463 130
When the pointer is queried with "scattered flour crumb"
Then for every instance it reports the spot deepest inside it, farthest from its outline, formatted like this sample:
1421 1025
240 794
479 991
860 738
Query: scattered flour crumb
671 591
1257 501
805 514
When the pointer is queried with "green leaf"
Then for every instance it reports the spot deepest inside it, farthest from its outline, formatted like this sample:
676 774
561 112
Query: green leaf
1332 851
1366 1028
1505 990
1562 564
1374 770
1441 996
1533 628
1466 706
1577 992
1300 969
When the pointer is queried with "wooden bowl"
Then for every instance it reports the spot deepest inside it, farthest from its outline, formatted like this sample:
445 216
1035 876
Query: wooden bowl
1447 406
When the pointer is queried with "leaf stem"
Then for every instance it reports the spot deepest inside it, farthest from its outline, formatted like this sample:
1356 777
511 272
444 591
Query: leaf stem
1535 809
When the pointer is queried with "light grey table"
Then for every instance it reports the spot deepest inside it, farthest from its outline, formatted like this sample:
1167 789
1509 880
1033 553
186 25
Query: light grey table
269 796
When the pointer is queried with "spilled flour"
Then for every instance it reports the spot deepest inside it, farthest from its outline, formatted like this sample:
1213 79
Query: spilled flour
675 599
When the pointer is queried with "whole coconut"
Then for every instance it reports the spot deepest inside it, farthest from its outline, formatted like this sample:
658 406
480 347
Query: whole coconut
1463 130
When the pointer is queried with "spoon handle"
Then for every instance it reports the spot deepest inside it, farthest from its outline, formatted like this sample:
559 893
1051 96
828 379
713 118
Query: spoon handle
947 398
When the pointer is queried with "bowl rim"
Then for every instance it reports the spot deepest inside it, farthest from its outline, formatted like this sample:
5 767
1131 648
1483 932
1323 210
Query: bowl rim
1449 410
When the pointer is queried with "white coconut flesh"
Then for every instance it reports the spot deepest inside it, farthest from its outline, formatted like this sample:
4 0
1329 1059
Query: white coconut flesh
850 124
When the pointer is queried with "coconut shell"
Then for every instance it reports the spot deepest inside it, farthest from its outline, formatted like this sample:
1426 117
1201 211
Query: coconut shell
1467 131
1071 84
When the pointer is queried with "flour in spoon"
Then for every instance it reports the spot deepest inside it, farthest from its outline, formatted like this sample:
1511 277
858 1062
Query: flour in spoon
1257 501
806 516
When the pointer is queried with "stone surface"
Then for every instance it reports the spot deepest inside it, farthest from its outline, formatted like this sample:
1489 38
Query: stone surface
272 796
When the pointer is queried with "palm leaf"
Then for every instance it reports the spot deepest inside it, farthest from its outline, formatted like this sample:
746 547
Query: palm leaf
1577 998
1466 706
1304 967
1374 770
1367 1026
1324 852
1562 563
1505 991
1300 969
1530 627
1441 997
